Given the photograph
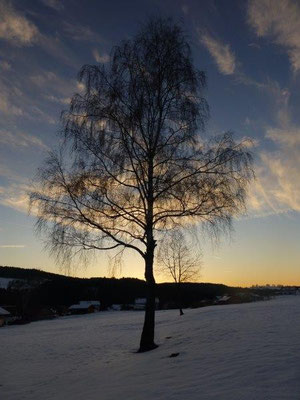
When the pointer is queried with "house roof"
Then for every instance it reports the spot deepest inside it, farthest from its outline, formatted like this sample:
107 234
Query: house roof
140 300
4 312
83 305
223 298
143 300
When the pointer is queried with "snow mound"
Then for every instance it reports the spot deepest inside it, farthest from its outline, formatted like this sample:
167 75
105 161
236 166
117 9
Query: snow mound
4 282
235 352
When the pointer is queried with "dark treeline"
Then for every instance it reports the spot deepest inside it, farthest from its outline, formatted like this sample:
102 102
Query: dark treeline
38 290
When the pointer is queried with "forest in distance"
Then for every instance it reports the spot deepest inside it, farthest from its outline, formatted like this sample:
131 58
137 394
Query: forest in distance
36 294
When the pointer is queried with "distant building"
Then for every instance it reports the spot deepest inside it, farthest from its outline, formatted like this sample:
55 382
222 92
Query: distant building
4 316
85 307
140 303
116 307
222 299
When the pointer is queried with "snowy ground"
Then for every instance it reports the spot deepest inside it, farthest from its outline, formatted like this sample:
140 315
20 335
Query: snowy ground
4 282
236 352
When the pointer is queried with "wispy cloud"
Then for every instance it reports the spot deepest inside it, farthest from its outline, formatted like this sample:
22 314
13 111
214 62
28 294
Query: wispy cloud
279 20
221 53
20 139
277 188
7 173
15 27
18 30
104 58
5 66
269 193
60 100
254 46
81 32
55 4
44 77
53 83
15 196
6 107
289 136
12 246
41 115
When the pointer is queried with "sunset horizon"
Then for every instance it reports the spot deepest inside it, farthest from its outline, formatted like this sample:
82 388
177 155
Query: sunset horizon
150 199
252 90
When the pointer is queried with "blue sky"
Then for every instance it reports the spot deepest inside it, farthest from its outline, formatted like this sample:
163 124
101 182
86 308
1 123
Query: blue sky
250 51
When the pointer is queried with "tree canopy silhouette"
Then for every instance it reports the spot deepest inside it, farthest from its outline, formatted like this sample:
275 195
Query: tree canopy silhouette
132 163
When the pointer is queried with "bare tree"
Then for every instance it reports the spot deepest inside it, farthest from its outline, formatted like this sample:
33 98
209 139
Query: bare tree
176 259
132 164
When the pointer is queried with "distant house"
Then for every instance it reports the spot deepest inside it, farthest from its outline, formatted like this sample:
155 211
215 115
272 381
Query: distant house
85 307
4 316
116 307
140 303
222 299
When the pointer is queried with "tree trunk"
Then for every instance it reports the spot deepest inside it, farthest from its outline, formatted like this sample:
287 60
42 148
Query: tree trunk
147 338
179 299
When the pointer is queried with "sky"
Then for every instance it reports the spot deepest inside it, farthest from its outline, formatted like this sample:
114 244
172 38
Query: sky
250 51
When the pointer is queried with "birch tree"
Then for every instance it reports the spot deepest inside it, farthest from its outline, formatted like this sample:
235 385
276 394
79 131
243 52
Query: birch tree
132 163
178 260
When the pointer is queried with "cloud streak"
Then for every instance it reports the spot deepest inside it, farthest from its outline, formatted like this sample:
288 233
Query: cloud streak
12 246
20 139
104 58
15 27
5 66
55 4
221 53
15 196
7 108
52 83
81 33
277 188
280 21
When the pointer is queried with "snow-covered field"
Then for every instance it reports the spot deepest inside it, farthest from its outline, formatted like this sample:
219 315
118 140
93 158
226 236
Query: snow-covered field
236 352
4 282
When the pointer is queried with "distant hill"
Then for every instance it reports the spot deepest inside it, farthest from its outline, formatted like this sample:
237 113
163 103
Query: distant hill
24 273
39 275
31 290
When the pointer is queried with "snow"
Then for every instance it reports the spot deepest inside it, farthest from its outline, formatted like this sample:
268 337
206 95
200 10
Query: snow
4 312
140 301
233 352
4 282
223 298
84 305
143 300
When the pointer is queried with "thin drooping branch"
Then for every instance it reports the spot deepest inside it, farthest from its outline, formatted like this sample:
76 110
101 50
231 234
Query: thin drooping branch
132 164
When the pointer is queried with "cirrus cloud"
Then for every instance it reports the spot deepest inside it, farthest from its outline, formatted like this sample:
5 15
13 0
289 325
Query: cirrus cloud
277 188
57 5
279 20
15 196
81 32
221 53
20 140
104 58
15 27
12 246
